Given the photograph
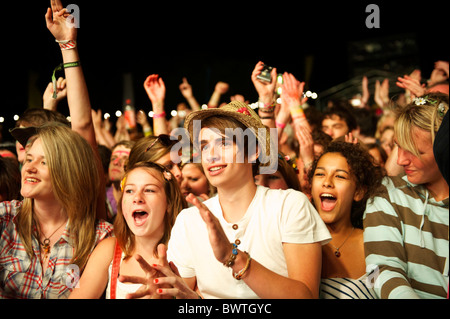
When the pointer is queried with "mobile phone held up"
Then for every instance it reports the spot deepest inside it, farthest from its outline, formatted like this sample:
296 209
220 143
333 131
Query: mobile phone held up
265 76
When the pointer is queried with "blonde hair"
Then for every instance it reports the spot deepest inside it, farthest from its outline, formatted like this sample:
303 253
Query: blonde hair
426 115
76 185
175 203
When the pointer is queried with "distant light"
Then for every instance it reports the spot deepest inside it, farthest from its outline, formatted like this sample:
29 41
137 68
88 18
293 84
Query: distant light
279 90
69 119
150 114
279 100
314 95
355 102
2 119
280 78
204 107
16 117
174 113
253 105
118 113
308 93
106 116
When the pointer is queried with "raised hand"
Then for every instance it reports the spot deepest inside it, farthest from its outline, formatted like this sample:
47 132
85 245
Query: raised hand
186 89
218 239
61 92
411 84
155 88
55 19
265 90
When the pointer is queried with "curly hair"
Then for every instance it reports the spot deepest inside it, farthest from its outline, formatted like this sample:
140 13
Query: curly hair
368 176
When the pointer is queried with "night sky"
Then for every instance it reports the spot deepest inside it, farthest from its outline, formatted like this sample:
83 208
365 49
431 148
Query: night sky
205 42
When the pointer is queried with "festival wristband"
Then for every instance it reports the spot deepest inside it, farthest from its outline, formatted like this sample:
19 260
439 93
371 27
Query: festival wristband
280 125
60 67
159 115
297 112
66 44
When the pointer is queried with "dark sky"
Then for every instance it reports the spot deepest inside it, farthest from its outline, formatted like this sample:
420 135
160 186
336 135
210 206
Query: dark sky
206 42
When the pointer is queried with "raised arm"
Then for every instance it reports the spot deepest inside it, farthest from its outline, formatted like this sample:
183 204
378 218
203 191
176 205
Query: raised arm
186 91
77 94
156 91
220 89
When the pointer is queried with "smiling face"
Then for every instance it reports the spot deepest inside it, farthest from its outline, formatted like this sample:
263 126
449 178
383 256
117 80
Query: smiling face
219 159
423 169
144 202
36 180
333 188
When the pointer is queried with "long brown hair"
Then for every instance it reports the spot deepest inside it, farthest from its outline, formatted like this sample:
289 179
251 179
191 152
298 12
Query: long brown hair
75 182
175 203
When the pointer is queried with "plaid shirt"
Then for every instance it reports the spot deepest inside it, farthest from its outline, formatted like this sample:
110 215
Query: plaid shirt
21 277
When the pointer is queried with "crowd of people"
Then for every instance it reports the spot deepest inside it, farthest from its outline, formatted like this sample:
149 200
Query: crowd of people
356 204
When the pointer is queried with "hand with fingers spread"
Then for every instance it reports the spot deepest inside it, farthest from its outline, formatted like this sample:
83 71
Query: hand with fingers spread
171 284
162 280
148 290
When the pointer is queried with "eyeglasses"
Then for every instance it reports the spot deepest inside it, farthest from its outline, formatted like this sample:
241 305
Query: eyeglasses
164 139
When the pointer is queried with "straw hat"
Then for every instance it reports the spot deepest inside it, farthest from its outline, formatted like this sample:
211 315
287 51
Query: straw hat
244 114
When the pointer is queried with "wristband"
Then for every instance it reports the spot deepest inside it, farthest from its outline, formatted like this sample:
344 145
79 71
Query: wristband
266 117
297 112
266 108
159 115
240 273
60 67
280 125
67 44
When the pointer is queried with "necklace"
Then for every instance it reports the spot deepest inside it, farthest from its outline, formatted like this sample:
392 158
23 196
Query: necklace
46 242
337 253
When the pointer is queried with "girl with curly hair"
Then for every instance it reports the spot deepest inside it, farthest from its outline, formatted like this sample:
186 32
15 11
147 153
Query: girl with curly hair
342 179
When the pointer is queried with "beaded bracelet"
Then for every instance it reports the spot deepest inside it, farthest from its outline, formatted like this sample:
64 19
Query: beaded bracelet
266 108
240 273
232 257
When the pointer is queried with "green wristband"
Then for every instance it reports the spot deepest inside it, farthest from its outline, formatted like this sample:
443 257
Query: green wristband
60 67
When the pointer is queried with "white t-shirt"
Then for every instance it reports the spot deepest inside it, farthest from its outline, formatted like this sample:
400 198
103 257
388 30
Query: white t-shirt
274 217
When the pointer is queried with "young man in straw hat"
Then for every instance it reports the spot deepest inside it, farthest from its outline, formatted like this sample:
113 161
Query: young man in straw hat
248 241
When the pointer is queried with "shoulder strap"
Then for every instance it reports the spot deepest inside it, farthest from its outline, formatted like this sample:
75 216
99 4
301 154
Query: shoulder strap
115 270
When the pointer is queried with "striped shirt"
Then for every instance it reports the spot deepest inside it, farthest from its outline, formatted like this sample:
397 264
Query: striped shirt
345 288
21 277
406 241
